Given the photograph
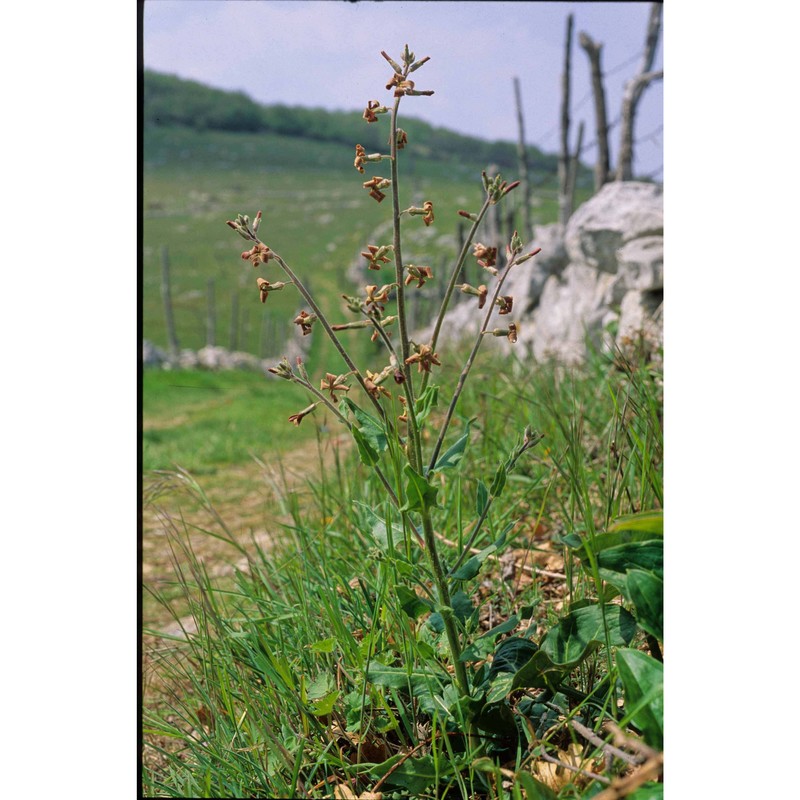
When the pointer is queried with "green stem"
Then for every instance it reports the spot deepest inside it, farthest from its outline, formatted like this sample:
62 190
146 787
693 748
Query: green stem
452 283
415 447
453 640
462 379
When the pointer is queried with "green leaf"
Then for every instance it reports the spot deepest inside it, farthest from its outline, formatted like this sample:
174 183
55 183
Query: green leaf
411 603
482 498
324 705
414 775
582 631
323 645
321 686
648 791
618 552
400 677
426 402
649 521
472 567
454 455
643 684
371 430
573 640
500 687
512 654
366 452
534 790
646 591
379 529
634 555
420 494
462 609
499 482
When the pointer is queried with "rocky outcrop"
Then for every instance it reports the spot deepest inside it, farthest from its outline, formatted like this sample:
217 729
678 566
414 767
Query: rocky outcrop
604 272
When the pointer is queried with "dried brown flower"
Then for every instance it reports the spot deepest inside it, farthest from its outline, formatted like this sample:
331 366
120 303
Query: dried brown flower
333 384
424 358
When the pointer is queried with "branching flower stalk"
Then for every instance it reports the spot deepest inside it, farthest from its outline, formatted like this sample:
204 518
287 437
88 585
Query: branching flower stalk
415 445
451 285
416 498
462 379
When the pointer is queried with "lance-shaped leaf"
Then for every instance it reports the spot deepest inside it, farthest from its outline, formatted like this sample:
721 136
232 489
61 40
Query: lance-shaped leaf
454 454
370 435
420 494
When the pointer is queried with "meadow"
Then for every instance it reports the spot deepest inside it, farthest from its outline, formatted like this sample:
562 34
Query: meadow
324 616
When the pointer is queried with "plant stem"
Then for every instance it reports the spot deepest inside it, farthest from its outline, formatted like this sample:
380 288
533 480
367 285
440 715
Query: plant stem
468 366
415 449
452 283
462 682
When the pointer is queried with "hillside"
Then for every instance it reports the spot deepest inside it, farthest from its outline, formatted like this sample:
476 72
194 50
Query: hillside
173 102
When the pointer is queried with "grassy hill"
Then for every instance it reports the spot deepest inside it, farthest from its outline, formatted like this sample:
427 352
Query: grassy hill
208 155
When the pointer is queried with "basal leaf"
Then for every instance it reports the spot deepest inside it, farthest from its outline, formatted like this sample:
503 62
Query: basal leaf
534 790
649 521
573 640
634 555
643 684
648 791
511 655
646 591
413 775
583 630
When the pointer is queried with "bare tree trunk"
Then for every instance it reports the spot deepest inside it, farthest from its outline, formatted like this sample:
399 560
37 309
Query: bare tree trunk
211 315
522 153
633 92
166 296
563 159
602 166
574 163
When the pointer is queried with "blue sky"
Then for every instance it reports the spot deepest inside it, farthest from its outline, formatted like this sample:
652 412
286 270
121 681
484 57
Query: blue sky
327 53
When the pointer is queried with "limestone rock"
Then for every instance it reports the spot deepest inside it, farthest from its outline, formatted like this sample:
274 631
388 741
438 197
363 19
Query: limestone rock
619 213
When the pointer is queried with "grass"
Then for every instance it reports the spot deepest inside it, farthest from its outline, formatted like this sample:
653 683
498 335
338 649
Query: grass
301 674
204 421
478 614
316 213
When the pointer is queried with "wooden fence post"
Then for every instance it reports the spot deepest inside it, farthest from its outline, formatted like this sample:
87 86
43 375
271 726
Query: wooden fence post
234 327
166 296
633 92
563 159
522 155
211 315
602 165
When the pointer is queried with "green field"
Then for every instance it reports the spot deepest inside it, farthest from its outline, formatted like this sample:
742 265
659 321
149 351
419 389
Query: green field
317 216
443 609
